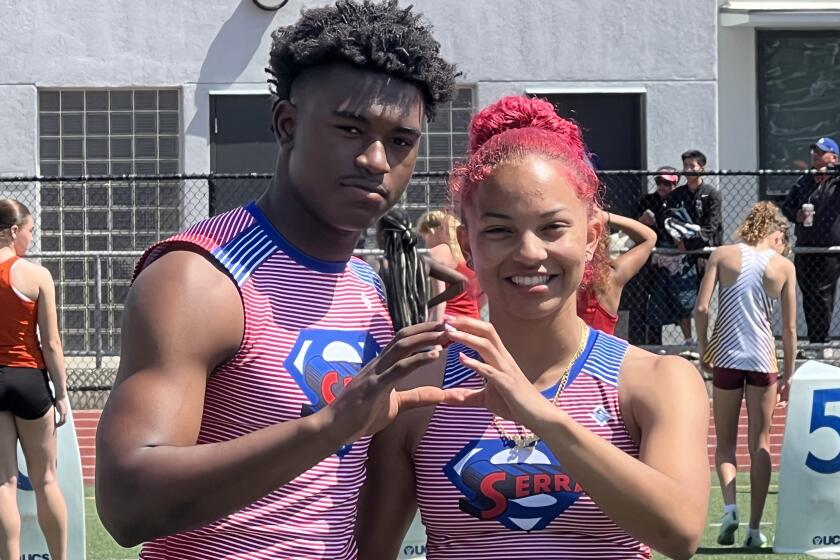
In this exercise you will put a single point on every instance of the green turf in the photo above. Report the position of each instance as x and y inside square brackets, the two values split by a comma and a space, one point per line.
[101, 546]
[709, 547]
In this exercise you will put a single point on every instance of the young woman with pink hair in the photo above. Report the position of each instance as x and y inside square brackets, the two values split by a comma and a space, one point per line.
[555, 440]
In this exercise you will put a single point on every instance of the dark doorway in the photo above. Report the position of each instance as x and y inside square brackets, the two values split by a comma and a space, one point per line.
[613, 130]
[241, 141]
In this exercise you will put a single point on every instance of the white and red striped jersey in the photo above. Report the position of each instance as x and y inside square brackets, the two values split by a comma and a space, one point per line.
[310, 325]
[743, 334]
[480, 497]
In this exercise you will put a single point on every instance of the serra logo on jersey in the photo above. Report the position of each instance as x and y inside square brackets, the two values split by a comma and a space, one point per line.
[322, 362]
[523, 489]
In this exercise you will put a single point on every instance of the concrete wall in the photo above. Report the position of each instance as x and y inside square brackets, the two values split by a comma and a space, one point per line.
[503, 46]
[191, 44]
[738, 106]
[506, 46]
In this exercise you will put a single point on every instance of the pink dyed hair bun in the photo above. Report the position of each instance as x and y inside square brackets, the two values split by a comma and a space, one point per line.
[515, 127]
[514, 112]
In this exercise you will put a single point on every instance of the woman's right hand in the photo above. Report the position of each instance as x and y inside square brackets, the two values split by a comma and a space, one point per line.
[62, 405]
[507, 393]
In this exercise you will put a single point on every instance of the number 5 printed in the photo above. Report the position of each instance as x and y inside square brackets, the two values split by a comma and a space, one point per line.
[819, 419]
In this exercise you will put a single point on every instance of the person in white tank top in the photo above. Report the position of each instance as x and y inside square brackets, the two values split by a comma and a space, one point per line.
[741, 353]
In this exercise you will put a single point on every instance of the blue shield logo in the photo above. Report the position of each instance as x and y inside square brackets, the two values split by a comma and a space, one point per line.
[523, 489]
[323, 362]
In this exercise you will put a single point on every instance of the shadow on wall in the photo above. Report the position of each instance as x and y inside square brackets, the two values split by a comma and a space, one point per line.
[229, 55]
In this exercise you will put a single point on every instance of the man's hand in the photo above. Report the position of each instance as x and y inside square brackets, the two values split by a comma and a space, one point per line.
[370, 402]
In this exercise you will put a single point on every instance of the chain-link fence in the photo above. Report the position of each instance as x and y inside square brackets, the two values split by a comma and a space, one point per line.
[91, 230]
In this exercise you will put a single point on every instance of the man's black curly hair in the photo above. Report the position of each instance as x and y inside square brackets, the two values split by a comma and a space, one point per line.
[379, 36]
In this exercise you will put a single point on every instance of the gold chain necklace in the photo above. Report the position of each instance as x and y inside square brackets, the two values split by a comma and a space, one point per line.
[525, 439]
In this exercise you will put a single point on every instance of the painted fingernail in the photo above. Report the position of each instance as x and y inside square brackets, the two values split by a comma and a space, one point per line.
[449, 328]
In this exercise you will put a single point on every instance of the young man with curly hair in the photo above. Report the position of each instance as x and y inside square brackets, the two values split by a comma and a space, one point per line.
[233, 429]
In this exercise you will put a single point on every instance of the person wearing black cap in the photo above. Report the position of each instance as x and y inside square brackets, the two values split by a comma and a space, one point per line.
[813, 204]
[653, 205]
[651, 212]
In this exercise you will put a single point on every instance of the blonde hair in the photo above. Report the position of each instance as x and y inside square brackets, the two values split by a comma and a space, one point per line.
[764, 219]
[438, 219]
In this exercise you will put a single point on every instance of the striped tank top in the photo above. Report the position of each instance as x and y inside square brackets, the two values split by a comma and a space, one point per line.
[482, 498]
[743, 335]
[309, 327]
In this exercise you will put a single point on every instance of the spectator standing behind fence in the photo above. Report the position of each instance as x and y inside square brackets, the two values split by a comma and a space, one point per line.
[813, 204]
[651, 212]
[439, 232]
[597, 302]
[742, 352]
[702, 202]
[673, 290]
[27, 408]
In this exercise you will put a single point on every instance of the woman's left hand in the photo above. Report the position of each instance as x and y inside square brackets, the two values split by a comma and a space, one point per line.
[508, 394]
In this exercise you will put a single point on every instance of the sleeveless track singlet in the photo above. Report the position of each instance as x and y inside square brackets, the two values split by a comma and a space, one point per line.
[309, 327]
[19, 346]
[593, 314]
[743, 334]
[481, 498]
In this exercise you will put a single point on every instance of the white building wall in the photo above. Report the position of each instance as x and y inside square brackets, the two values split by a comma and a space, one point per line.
[502, 46]
[507, 46]
[738, 98]
[738, 132]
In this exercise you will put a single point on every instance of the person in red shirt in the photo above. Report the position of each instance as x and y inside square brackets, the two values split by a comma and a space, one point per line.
[437, 228]
[598, 300]
[27, 407]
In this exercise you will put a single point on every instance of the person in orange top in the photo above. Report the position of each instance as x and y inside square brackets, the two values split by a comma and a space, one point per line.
[28, 411]
[437, 228]
[598, 300]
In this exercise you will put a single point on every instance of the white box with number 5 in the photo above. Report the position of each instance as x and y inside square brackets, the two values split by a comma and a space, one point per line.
[808, 518]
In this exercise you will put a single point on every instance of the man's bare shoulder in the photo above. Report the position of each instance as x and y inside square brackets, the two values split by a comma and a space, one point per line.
[182, 268]
[182, 294]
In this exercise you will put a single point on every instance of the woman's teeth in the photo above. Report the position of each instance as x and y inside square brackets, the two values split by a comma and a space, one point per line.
[529, 280]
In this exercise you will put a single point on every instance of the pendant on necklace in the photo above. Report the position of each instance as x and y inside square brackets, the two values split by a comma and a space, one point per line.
[524, 442]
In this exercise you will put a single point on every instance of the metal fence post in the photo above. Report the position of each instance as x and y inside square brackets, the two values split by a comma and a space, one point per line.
[97, 313]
